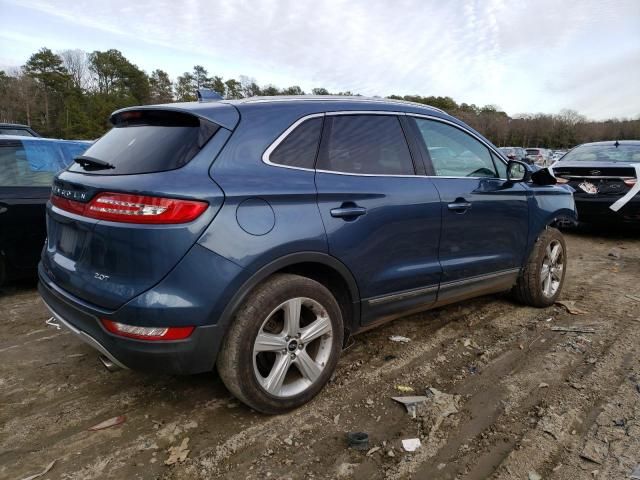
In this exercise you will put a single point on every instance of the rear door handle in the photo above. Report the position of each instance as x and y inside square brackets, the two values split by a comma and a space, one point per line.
[348, 212]
[459, 207]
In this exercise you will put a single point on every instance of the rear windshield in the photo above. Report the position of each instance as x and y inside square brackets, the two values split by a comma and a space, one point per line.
[147, 141]
[604, 153]
[532, 151]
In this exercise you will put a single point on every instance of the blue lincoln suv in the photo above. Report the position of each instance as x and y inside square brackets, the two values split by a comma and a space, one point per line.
[254, 236]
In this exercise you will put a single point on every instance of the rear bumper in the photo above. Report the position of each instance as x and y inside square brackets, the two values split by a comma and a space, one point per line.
[195, 354]
[595, 208]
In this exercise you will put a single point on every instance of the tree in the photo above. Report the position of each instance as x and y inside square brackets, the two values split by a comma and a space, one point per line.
[320, 91]
[46, 68]
[217, 85]
[234, 88]
[200, 77]
[295, 90]
[185, 91]
[270, 90]
[161, 89]
[77, 64]
[115, 75]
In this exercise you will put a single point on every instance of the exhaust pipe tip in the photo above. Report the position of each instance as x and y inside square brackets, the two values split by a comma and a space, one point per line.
[108, 364]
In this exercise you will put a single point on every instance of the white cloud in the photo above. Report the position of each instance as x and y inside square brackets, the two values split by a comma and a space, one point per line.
[531, 56]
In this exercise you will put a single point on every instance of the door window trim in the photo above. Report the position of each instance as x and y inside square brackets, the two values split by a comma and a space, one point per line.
[294, 125]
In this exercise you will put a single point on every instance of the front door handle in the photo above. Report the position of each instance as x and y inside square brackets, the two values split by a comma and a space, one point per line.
[459, 207]
[348, 212]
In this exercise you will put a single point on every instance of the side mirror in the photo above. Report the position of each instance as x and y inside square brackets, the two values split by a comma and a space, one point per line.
[517, 171]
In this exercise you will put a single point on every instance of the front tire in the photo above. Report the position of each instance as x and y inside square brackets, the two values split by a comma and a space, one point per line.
[542, 278]
[283, 345]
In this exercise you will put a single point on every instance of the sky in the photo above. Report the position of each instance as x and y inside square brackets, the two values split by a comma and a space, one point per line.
[523, 56]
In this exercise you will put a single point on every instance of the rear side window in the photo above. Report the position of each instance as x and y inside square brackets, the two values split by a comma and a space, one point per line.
[300, 147]
[33, 163]
[148, 141]
[365, 144]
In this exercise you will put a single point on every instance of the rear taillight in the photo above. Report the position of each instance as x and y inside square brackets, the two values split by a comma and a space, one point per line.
[120, 207]
[630, 182]
[147, 333]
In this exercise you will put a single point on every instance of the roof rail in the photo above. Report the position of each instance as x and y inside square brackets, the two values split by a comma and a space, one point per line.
[207, 95]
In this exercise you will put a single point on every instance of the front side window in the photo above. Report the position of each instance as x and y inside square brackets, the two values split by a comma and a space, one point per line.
[365, 144]
[453, 152]
[34, 163]
[300, 147]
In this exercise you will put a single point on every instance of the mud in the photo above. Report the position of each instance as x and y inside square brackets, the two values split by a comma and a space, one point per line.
[530, 401]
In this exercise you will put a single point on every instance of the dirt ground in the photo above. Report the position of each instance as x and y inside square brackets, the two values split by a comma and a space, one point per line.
[518, 400]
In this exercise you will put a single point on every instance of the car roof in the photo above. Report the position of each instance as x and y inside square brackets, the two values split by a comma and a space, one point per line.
[40, 139]
[611, 142]
[14, 125]
[225, 112]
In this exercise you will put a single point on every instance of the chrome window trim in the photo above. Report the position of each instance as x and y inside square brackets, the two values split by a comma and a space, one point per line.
[276, 143]
[294, 125]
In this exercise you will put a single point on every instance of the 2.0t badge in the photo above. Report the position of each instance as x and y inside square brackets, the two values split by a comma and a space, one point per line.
[589, 187]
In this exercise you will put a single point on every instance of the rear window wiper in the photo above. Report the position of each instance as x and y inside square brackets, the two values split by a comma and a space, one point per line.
[91, 163]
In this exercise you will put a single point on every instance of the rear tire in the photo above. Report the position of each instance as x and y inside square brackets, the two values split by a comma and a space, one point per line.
[283, 344]
[542, 278]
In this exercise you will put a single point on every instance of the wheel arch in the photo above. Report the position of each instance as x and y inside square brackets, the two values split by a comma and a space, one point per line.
[318, 266]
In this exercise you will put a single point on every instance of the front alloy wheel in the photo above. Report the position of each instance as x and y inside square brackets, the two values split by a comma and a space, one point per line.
[542, 277]
[552, 270]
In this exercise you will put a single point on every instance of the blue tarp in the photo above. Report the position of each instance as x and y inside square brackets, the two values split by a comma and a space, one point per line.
[51, 155]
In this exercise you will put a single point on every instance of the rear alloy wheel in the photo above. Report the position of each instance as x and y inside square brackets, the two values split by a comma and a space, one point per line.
[541, 280]
[283, 344]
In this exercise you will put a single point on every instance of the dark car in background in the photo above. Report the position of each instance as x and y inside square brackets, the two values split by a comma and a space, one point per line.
[18, 130]
[27, 168]
[605, 178]
[515, 153]
[256, 235]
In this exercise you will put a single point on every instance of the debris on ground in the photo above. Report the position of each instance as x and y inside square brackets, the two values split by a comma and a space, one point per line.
[570, 305]
[44, 472]
[358, 440]
[52, 323]
[595, 451]
[575, 329]
[411, 403]
[615, 253]
[372, 451]
[533, 475]
[633, 297]
[404, 388]
[543, 385]
[553, 425]
[635, 474]
[112, 422]
[178, 454]
[399, 338]
[436, 409]
[411, 444]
